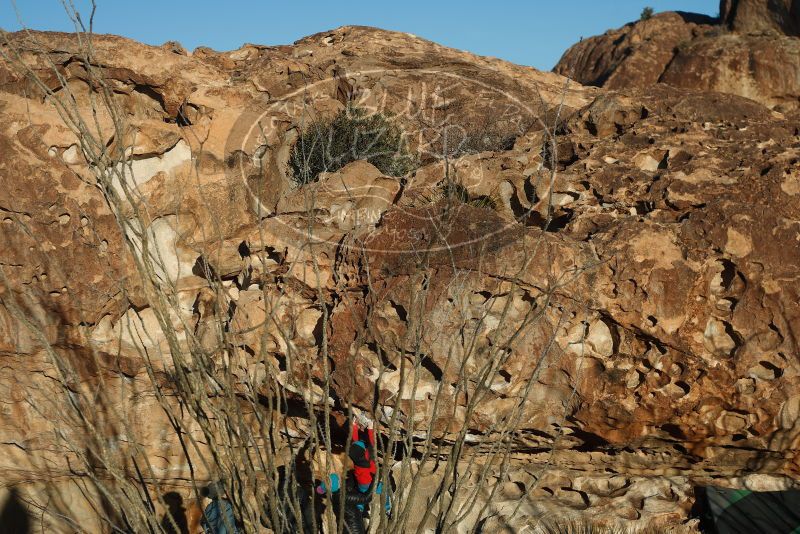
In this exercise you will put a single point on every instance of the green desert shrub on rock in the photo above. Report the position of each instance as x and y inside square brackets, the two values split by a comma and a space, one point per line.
[456, 192]
[353, 134]
[485, 138]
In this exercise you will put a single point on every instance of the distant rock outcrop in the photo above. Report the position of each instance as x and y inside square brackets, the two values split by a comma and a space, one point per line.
[751, 51]
[752, 16]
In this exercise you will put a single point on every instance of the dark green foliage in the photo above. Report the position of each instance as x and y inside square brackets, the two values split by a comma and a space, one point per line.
[483, 201]
[481, 140]
[354, 134]
[479, 135]
[454, 191]
[647, 13]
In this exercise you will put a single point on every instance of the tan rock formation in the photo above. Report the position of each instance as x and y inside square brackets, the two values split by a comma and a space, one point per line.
[752, 51]
[752, 16]
[638, 308]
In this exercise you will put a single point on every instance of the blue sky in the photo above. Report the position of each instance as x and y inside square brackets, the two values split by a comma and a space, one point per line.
[533, 32]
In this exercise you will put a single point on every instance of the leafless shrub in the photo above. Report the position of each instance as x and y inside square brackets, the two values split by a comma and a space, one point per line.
[255, 417]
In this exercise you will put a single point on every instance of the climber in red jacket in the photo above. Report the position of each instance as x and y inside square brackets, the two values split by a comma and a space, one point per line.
[362, 452]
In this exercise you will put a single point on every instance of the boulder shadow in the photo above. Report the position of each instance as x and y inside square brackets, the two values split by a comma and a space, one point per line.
[14, 516]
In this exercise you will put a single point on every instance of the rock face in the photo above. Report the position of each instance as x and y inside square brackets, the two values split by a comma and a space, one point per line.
[755, 16]
[644, 294]
[751, 51]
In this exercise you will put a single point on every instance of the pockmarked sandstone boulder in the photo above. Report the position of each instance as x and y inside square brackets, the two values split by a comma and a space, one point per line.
[751, 50]
[750, 16]
[631, 284]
